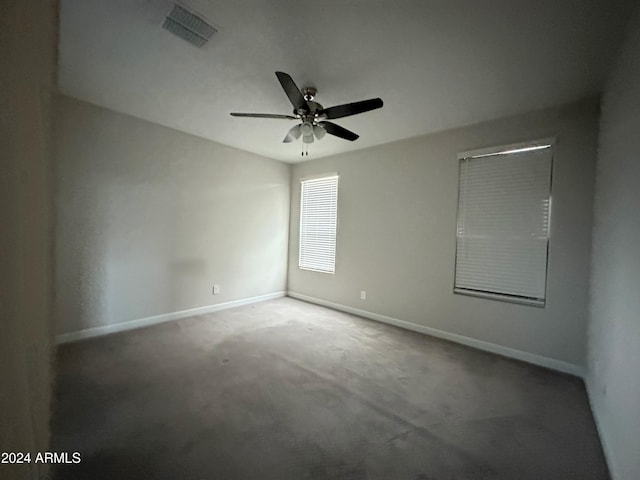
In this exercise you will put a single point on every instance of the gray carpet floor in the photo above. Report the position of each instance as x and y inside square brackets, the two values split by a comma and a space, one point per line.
[288, 390]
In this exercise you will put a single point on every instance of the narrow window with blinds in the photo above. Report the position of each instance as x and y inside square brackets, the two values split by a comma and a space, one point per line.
[318, 222]
[502, 238]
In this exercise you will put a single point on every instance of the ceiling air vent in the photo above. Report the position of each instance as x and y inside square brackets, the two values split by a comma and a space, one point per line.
[189, 27]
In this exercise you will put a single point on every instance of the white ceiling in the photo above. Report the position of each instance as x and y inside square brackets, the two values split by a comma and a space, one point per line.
[436, 64]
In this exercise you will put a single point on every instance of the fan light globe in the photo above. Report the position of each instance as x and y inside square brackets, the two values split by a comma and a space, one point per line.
[306, 129]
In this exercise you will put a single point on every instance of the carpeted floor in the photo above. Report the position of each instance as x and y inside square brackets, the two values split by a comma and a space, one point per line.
[289, 390]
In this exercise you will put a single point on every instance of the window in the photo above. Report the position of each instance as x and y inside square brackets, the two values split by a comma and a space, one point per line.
[502, 237]
[318, 221]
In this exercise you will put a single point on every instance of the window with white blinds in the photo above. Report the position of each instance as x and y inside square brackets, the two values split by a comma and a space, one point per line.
[318, 222]
[503, 224]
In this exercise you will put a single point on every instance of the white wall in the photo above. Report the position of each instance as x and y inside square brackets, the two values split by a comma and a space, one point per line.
[149, 218]
[396, 235]
[27, 66]
[614, 333]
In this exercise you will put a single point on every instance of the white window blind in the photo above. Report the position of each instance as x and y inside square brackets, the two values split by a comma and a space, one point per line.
[318, 222]
[503, 224]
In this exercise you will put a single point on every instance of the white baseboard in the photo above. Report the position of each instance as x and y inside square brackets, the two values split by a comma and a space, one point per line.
[165, 317]
[539, 360]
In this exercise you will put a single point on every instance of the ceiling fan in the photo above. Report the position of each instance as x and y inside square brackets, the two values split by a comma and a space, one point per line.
[313, 116]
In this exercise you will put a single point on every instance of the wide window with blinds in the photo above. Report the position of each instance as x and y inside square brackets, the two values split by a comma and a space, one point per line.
[318, 223]
[504, 209]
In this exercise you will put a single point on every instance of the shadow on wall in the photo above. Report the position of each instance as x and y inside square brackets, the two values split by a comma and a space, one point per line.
[149, 218]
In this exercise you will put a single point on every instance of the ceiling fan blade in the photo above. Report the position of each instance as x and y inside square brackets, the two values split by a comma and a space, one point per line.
[263, 115]
[293, 92]
[307, 138]
[293, 134]
[319, 132]
[354, 108]
[339, 131]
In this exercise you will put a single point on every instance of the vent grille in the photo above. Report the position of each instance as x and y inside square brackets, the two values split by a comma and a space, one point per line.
[188, 26]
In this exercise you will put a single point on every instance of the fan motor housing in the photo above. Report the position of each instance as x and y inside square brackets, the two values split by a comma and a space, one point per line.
[312, 114]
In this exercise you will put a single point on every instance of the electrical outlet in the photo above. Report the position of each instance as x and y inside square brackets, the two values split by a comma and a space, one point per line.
[216, 289]
[363, 294]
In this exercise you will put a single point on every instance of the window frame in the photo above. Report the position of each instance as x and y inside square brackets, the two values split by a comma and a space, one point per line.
[549, 142]
[325, 176]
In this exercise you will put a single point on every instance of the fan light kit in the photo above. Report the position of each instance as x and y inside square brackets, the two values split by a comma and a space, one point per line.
[313, 116]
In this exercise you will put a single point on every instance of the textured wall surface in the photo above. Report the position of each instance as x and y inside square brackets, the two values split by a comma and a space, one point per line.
[614, 334]
[149, 218]
[27, 73]
[397, 209]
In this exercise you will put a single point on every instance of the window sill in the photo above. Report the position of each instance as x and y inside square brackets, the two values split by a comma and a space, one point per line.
[533, 302]
[315, 270]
